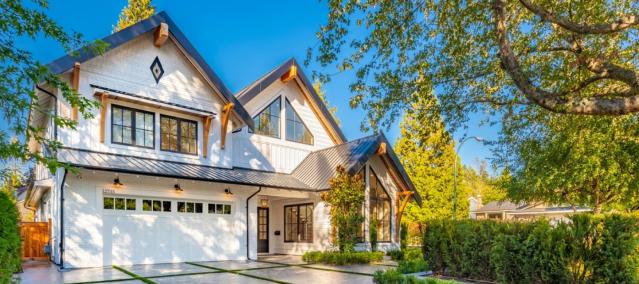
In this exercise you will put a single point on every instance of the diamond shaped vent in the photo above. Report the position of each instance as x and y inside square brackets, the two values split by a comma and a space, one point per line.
[157, 70]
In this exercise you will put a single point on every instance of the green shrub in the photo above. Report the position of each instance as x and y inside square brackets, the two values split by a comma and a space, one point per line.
[395, 254]
[392, 276]
[372, 231]
[342, 258]
[10, 243]
[413, 254]
[412, 266]
[403, 236]
[588, 249]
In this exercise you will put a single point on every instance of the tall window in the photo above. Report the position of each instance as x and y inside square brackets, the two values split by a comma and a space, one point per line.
[267, 122]
[296, 131]
[178, 135]
[132, 127]
[380, 208]
[298, 223]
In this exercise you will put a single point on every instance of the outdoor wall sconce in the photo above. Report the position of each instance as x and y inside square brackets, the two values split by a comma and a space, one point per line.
[177, 187]
[264, 202]
[117, 183]
[228, 192]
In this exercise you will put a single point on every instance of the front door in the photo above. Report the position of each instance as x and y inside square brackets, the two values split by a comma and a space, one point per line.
[262, 230]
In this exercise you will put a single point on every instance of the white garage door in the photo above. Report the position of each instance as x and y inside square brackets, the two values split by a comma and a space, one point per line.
[150, 230]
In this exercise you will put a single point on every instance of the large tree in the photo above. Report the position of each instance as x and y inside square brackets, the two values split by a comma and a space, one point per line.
[573, 159]
[20, 72]
[135, 11]
[488, 56]
[427, 152]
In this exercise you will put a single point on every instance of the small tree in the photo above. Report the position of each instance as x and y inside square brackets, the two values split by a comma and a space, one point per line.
[345, 199]
[10, 244]
[372, 232]
[135, 11]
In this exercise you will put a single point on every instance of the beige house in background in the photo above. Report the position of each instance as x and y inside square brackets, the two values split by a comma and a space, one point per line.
[507, 210]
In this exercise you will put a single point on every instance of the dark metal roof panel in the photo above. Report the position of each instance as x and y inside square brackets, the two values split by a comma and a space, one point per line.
[119, 38]
[249, 92]
[140, 165]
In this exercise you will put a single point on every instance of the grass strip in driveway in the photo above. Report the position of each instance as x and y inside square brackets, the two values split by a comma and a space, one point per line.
[238, 272]
[318, 268]
[138, 277]
[101, 281]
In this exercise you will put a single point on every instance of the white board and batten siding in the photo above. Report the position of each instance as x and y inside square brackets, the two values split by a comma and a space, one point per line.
[261, 152]
[127, 68]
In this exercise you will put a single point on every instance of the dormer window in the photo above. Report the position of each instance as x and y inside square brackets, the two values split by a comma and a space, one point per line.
[132, 127]
[267, 122]
[296, 130]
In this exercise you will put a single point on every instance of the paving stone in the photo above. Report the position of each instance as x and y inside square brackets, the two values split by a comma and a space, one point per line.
[149, 270]
[296, 274]
[226, 278]
[235, 264]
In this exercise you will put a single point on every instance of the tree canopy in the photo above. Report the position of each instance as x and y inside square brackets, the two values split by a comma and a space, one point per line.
[497, 56]
[573, 159]
[135, 11]
[317, 85]
[20, 72]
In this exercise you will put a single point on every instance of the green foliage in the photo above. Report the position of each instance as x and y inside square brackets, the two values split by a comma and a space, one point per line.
[481, 183]
[372, 234]
[403, 236]
[20, 73]
[345, 198]
[135, 11]
[401, 50]
[317, 85]
[342, 258]
[10, 243]
[427, 152]
[395, 254]
[413, 254]
[392, 276]
[573, 160]
[589, 249]
[412, 266]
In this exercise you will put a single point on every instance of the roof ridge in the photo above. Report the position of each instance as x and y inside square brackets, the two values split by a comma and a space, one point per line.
[248, 87]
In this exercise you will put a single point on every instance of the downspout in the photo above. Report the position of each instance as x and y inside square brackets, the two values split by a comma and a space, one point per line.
[247, 221]
[64, 178]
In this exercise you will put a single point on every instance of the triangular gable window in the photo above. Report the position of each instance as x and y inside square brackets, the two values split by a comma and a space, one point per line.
[267, 122]
[296, 130]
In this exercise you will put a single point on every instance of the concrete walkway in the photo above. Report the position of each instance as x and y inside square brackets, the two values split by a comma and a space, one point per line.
[267, 269]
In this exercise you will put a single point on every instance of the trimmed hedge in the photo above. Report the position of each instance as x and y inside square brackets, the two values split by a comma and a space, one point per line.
[588, 249]
[342, 258]
[10, 244]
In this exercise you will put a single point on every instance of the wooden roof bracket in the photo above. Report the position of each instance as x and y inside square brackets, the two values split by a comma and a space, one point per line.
[290, 74]
[75, 82]
[103, 112]
[400, 208]
[381, 150]
[206, 122]
[226, 115]
[161, 34]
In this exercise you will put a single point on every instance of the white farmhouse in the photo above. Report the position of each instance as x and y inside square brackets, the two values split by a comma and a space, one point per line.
[173, 167]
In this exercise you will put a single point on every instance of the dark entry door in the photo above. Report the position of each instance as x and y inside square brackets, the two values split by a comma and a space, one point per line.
[262, 229]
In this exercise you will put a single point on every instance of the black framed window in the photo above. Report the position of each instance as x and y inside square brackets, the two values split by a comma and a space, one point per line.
[118, 203]
[296, 130]
[156, 205]
[132, 127]
[298, 223]
[267, 122]
[219, 208]
[380, 207]
[178, 135]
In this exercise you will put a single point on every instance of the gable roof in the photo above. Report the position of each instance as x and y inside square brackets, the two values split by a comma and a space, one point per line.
[121, 37]
[319, 167]
[249, 92]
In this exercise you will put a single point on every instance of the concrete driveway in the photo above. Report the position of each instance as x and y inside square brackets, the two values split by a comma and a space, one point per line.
[267, 269]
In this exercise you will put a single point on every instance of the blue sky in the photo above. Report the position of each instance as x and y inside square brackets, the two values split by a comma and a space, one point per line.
[242, 41]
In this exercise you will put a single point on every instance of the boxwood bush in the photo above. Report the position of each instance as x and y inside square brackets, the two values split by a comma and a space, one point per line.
[587, 249]
[342, 258]
[10, 244]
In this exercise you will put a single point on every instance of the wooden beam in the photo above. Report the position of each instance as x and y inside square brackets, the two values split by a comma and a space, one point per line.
[103, 114]
[75, 82]
[400, 210]
[226, 115]
[161, 34]
[290, 74]
[382, 149]
[206, 121]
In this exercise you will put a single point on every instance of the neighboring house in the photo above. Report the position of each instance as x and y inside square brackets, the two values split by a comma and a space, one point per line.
[173, 167]
[507, 210]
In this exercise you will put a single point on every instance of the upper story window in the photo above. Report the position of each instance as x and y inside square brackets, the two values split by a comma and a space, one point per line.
[132, 127]
[178, 135]
[267, 122]
[296, 130]
[380, 207]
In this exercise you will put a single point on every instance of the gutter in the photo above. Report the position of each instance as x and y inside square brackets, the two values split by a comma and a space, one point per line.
[64, 178]
[247, 221]
[55, 110]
